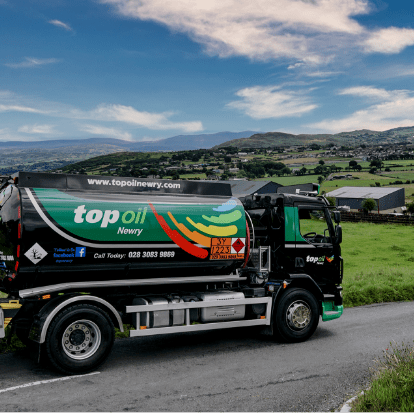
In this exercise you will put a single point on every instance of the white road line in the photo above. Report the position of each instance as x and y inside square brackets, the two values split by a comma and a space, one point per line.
[31, 384]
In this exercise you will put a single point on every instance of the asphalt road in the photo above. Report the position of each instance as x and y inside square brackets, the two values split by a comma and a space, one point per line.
[232, 370]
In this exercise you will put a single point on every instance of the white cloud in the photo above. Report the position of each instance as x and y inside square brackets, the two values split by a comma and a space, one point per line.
[322, 74]
[37, 129]
[263, 29]
[107, 132]
[390, 40]
[296, 65]
[10, 102]
[130, 115]
[392, 109]
[59, 23]
[369, 92]
[20, 108]
[31, 62]
[262, 102]
[311, 31]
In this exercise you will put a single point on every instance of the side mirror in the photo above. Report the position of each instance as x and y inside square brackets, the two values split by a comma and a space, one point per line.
[337, 216]
[338, 234]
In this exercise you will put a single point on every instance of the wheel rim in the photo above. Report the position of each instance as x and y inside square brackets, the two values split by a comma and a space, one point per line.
[298, 315]
[81, 339]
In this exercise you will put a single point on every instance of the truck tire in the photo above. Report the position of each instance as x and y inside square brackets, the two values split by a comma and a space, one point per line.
[296, 316]
[79, 339]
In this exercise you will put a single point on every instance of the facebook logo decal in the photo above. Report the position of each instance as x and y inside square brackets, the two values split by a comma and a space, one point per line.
[80, 252]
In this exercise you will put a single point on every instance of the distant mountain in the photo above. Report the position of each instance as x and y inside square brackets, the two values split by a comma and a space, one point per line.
[364, 136]
[177, 143]
[190, 142]
[63, 143]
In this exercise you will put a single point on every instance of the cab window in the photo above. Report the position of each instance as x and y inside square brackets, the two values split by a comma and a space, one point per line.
[314, 225]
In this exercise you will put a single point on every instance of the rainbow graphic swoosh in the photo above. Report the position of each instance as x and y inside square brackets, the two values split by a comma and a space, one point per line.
[222, 227]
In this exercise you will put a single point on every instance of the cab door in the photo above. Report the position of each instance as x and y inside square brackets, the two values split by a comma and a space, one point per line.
[315, 252]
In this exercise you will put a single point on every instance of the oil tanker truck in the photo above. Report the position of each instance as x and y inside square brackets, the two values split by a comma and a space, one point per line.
[82, 255]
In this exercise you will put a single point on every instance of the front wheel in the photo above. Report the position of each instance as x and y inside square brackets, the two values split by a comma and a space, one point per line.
[297, 315]
[79, 339]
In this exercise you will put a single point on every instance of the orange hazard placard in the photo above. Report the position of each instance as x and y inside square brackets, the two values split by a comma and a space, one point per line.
[227, 248]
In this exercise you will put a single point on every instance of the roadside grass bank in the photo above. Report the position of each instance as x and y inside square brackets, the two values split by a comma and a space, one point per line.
[392, 384]
[378, 267]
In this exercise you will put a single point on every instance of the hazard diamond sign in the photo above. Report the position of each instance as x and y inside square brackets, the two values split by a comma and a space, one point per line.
[237, 245]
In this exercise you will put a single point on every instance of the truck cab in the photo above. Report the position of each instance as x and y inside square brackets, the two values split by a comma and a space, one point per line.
[294, 235]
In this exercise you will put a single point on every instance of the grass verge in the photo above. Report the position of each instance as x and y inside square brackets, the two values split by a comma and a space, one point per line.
[378, 263]
[393, 383]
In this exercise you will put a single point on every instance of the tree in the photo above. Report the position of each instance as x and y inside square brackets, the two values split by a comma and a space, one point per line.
[321, 179]
[286, 170]
[373, 170]
[353, 164]
[321, 162]
[376, 163]
[369, 204]
[410, 207]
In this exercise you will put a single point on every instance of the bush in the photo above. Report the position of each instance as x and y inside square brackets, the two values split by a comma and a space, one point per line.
[410, 207]
[332, 201]
[369, 204]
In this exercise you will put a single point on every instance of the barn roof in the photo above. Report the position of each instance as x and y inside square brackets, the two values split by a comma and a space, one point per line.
[362, 192]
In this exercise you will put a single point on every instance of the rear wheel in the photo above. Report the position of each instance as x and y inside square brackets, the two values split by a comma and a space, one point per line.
[297, 315]
[79, 339]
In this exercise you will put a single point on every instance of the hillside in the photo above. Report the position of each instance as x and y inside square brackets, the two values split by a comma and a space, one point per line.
[55, 154]
[352, 138]
[177, 143]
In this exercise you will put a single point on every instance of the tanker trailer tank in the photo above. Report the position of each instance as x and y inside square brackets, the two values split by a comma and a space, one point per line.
[79, 231]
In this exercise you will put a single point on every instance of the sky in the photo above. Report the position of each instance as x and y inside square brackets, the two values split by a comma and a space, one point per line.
[143, 70]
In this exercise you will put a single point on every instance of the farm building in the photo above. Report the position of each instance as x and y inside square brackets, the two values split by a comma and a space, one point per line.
[241, 188]
[386, 197]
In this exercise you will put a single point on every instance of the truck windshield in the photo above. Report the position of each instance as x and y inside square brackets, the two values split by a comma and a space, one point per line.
[314, 225]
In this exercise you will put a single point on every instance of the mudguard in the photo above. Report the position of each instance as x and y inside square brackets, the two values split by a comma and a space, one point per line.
[43, 319]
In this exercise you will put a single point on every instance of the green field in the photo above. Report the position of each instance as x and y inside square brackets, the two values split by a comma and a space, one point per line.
[378, 263]
[300, 179]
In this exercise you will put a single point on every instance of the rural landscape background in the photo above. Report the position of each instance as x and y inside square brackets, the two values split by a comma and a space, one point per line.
[289, 91]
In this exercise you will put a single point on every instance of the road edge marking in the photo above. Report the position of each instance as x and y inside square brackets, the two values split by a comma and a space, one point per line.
[32, 384]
